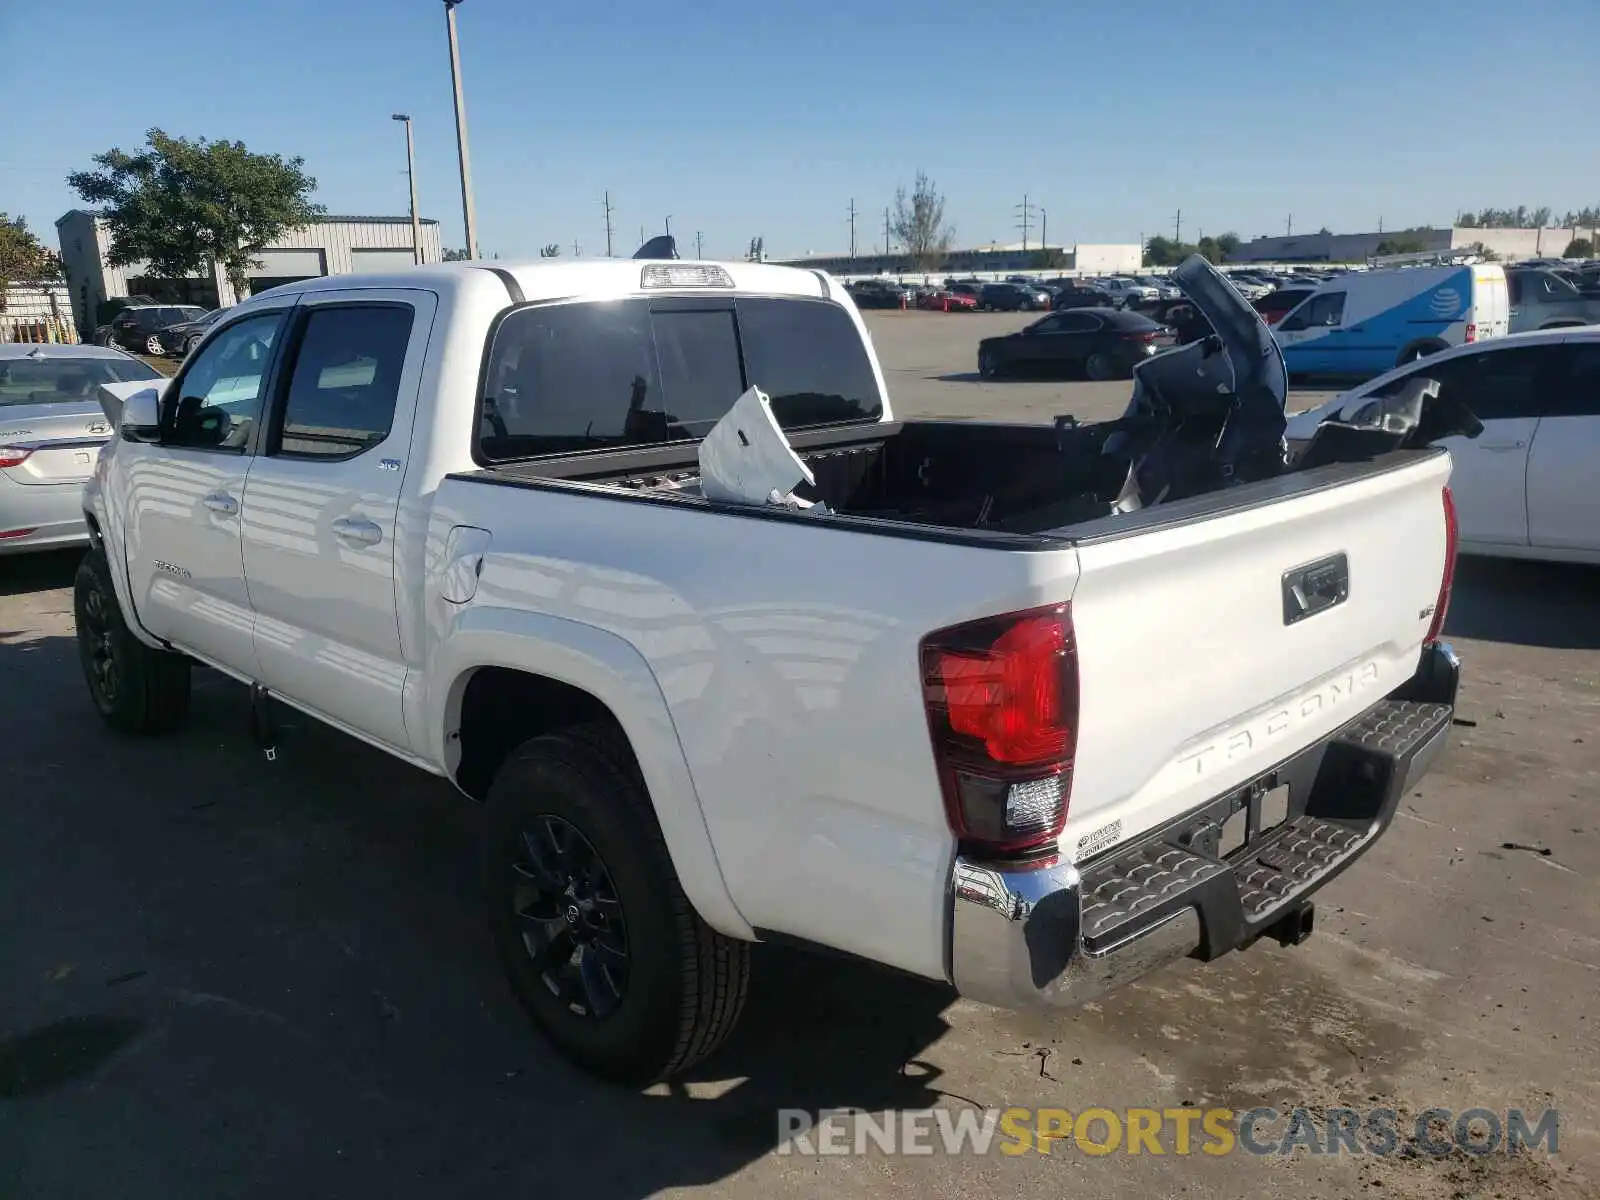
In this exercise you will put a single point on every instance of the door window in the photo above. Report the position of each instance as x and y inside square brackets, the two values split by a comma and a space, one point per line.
[1077, 323]
[1497, 385]
[1578, 393]
[345, 381]
[220, 391]
[1318, 312]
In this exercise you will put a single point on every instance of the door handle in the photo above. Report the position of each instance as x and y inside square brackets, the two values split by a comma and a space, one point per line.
[357, 530]
[221, 502]
[1502, 447]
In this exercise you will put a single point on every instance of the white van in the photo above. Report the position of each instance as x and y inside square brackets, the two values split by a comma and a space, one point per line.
[1364, 324]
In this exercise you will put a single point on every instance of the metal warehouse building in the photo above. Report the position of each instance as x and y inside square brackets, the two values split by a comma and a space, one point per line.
[327, 246]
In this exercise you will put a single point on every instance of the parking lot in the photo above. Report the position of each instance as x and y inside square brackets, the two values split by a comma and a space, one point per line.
[223, 976]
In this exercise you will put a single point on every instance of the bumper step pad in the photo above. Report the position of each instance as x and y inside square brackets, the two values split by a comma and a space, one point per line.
[1136, 888]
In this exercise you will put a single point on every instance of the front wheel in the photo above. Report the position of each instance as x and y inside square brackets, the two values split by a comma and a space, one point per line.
[153, 346]
[597, 938]
[1100, 367]
[987, 366]
[135, 688]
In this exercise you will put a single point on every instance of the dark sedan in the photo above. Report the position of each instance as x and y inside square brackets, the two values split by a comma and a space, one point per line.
[1012, 297]
[177, 340]
[878, 293]
[1076, 295]
[1104, 343]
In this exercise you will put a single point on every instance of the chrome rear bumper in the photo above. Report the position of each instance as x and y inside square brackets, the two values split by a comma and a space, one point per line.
[1058, 934]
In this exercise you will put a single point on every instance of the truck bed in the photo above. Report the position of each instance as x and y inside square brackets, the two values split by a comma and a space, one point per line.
[1006, 485]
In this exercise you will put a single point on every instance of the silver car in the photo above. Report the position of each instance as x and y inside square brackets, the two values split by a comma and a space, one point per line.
[51, 431]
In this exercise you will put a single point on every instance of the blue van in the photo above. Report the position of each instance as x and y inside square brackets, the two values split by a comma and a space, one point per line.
[1366, 322]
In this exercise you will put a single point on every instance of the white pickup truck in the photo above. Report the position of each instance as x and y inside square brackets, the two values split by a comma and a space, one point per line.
[1027, 709]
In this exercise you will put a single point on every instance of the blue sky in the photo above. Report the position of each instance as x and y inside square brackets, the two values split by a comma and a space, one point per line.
[765, 118]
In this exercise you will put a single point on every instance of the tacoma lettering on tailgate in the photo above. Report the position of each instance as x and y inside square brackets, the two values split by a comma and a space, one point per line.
[1246, 739]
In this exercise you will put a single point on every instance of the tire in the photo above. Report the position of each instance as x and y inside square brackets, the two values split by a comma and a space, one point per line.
[987, 366]
[1099, 367]
[189, 343]
[561, 804]
[136, 689]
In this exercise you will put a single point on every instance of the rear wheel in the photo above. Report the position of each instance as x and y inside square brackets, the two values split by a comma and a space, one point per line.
[597, 938]
[1100, 367]
[135, 688]
[152, 345]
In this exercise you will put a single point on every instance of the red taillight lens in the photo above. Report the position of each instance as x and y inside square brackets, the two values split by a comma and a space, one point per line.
[1472, 333]
[1452, 539]
[1002, 702]
[13, 456]
[1148, 336]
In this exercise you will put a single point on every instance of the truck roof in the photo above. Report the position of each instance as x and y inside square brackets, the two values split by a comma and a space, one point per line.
[550, 278]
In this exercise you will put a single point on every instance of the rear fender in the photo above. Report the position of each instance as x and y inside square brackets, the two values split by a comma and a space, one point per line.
[612, 671]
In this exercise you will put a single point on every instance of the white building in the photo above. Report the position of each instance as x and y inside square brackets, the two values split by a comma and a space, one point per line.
[327, 246]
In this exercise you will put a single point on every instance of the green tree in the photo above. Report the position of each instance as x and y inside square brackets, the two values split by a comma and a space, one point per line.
[461, 255]
[1401, 245]
[1228, 242]
[1579, 248]
[1049, 258]
[188, 205]
[918, 223]
[550, 251]
[23, 258]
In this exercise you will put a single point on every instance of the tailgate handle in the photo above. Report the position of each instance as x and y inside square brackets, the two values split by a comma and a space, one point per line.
[1315, 587]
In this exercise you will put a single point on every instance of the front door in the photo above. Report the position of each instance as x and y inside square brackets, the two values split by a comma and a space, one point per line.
[1564, 463]
[319, 531]
[1310, 335]
[185, 496]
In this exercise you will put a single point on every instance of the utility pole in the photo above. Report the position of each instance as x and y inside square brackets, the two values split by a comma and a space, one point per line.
[411, 174]
[1288, 228]
[577, 250]
[1141, 247]
[1044, 231]
[641, 235]
[1026, 210]
[469, 217]
[697, 251]
[1380, 224]
[1177, 227]
[669, 224]
[606, 205]
[852, 226]
[886, 233]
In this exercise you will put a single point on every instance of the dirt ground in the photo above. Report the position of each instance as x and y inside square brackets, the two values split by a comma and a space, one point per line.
[225, 977]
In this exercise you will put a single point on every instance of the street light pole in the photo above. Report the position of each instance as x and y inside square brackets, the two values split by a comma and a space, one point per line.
[1044, 234]
[411, 176]
[469, 217]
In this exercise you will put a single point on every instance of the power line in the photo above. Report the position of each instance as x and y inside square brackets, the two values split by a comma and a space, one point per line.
[606, 203]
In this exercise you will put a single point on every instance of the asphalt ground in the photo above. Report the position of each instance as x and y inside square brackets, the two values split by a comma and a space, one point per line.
[225, 977]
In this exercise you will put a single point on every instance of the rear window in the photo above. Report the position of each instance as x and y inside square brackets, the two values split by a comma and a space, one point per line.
[569, 377]
[57, 381]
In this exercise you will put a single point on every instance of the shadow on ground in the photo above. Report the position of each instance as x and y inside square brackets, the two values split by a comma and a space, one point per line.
[1552, 605]
[242, 977]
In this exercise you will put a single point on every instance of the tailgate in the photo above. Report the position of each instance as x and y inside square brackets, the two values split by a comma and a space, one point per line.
[1197, 672]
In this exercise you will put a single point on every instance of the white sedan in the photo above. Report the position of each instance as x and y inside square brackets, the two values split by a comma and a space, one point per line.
[1526, 487]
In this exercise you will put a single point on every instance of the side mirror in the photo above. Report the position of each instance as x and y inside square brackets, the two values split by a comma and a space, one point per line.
[141, 417]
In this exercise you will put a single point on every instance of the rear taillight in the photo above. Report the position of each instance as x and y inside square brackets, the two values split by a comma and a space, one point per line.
[1002, 702]
[1149, 336]
[13, 456]
[1472, 333]
[1452, 539]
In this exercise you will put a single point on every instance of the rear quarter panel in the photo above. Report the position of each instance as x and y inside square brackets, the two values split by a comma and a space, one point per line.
[786, 651]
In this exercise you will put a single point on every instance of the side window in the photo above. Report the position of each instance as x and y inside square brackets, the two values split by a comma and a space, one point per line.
[1578, 393]
[1326, 309]
[1050, 325]
[1496, 385]
[345, 381]
[1078, 323]
[219, 393]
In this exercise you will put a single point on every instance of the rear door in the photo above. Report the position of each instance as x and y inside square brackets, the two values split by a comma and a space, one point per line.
[1564, 461]
[319, 522]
